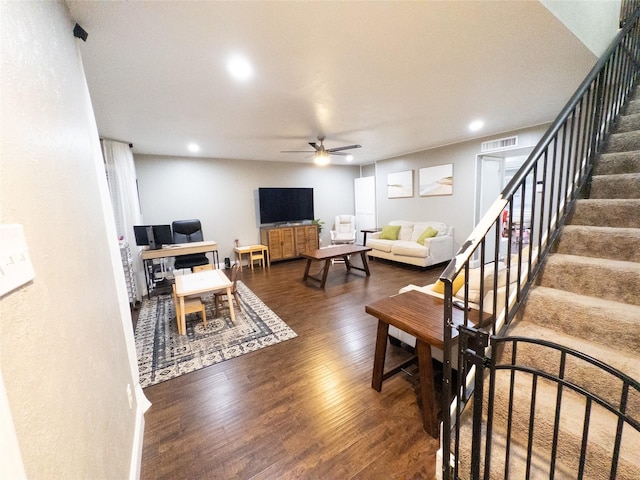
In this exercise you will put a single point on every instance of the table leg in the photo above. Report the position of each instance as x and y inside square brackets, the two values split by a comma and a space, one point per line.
[231, 311]
[365, 264]
[427, 389]
[182, 324]
[306, 270]
[266, 252]
[327, 264]
[378, 359]
[239, 259]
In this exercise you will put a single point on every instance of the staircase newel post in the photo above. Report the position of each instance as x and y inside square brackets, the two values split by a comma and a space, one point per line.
[447, 472]
[475, 343]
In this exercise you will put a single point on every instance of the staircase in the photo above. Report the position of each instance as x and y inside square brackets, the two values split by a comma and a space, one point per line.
[587, 298]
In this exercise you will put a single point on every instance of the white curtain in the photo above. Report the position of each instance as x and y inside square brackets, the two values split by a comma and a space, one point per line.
[123, 188]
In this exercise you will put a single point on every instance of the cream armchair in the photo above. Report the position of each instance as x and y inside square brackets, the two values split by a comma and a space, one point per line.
[344, 230]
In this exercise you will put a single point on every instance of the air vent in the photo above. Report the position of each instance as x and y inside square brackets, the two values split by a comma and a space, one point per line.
[499, 144]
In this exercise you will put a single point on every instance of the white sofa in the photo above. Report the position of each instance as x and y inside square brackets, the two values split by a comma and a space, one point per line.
[406, 249]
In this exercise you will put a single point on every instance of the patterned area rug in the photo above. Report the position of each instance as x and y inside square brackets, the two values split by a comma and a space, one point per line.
[163, 354]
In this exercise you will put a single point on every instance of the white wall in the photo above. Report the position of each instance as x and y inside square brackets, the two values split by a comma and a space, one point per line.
[594, 22]
[66, 341]
[223, 193]
[456, 209]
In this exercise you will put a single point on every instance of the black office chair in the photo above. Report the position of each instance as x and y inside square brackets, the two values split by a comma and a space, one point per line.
[186, 231]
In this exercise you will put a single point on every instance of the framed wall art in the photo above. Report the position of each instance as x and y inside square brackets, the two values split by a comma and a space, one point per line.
[436, 180]
[400, 184]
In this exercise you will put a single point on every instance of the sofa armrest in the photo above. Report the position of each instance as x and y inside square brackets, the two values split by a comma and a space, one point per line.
[375, 235]
[440, 248]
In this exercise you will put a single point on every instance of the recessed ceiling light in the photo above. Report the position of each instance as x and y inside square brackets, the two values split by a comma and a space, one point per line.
[240, 68]
[193, 148]
[476, 125]
[349, 158]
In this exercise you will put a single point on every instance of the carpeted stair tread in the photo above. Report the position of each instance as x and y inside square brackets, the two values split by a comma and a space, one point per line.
[602, 427]
[601, 434]
[601, 242]
[623, 142]
[581, 373]
[633, 106]
[609, 279]
[628, 123]
[607, 212]
[614, 163]
[596, 320]
[517, 455]
[625, 185]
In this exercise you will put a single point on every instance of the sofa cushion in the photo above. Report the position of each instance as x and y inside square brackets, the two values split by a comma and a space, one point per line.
[419, 227]
[382, 245]
[457, 284]
[389, 232]
[406, 229]
[409, 249]
[429, 232]
[474, 277]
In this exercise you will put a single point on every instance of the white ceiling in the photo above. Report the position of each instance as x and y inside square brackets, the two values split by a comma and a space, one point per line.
[395, 77]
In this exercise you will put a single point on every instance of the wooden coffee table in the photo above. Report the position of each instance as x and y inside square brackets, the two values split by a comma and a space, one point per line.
[329, 253]
[421, 315]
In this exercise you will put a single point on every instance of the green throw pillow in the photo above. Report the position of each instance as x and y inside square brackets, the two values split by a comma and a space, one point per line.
[428, 233]
[390, 232]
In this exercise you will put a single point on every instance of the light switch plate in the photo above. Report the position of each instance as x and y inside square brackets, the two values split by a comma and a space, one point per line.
[15, 264]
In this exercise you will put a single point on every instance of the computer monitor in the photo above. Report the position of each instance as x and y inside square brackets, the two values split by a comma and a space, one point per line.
[153, 235]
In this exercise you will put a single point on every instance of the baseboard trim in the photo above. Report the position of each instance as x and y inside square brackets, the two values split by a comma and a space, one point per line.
[143, 405]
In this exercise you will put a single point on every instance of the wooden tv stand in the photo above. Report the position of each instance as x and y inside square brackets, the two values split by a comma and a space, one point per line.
[289, 241]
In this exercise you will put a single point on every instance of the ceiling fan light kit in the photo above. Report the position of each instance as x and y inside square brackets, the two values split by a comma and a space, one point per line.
[321, 158]
[322, 155]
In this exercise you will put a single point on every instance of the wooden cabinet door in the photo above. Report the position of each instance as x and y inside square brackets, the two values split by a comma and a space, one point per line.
[306, 239]
[288, 243]
[280, 242]
[274, 244]
[312, 237]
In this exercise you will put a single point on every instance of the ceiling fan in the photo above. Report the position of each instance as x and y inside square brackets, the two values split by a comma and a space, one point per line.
[321, 154]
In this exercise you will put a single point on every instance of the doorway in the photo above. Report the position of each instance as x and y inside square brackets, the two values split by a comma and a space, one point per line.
[493, 172]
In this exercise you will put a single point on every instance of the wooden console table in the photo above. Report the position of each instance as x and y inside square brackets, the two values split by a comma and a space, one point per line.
[421, 315]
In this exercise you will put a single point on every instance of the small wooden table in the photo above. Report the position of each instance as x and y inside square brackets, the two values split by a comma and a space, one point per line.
[421, 315]
[368, 230]
[246, 250]
[335, 251]
[201, 282]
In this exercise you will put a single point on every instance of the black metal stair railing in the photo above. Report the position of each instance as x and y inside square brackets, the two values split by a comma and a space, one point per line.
[520, 227]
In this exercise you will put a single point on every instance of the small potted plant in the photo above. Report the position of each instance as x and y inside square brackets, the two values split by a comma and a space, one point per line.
[319, 223]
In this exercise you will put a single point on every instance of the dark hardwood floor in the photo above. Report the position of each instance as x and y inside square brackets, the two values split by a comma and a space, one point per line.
[303, 408]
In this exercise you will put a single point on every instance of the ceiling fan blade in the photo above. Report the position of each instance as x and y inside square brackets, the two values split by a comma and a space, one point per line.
[339, 149]
[316, 146]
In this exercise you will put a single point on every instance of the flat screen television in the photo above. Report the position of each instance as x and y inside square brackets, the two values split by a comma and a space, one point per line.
[153, 235]
[284, 205]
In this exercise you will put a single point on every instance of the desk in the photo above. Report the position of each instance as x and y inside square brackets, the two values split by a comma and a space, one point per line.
[174, 250]
[335, 251]
[421, 315]
[368, 230]
[201, 282]
[239, 251]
